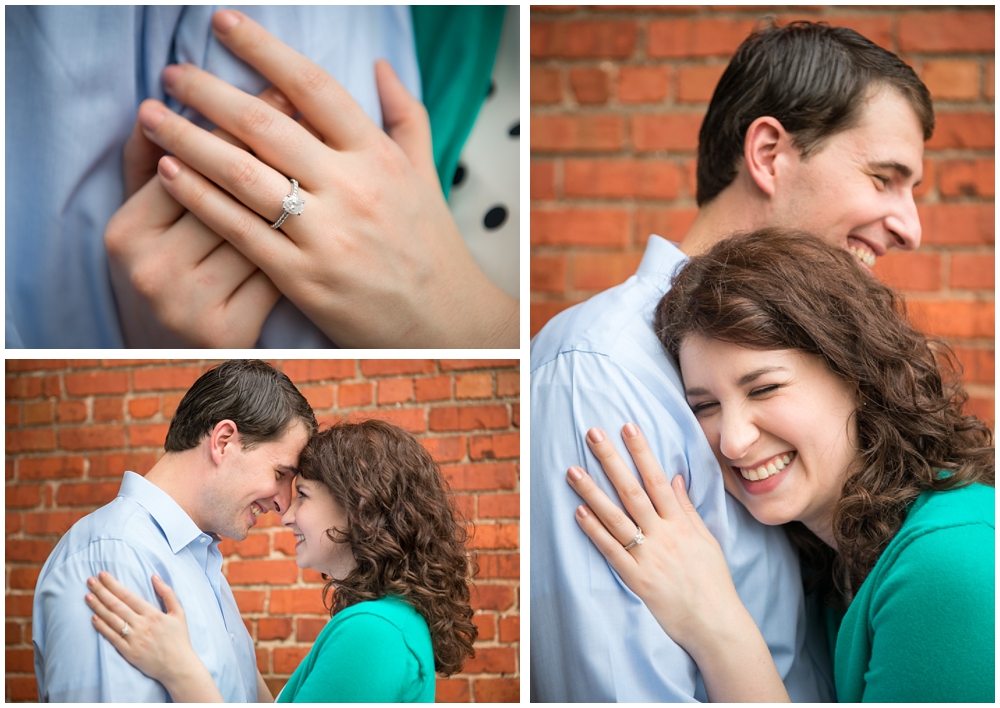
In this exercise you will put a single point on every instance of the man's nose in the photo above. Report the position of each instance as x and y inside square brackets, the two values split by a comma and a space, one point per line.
[904, 224]
[737, 434]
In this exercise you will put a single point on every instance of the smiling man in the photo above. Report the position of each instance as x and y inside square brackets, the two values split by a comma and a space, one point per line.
[231, 452]
[812, 128]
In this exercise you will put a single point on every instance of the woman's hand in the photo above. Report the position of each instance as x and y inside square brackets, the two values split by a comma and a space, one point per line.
[676, 567]
[156, 643]
[375, 259]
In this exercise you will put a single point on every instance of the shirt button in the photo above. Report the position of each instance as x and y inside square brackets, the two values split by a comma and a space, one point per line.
[232, 636]
[203, 539]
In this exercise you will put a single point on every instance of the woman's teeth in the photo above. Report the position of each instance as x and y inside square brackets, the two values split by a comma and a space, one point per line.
[863, 255]
[300, 537]
[769, 470]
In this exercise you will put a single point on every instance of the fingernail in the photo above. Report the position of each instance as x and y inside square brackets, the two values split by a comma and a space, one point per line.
[630, 430]
[581, 511]
[595, 435]
[151, 115]
[169, 76]
[225, 20]
[168, 167]
[575, 474]
[102, 575]
[90, 582]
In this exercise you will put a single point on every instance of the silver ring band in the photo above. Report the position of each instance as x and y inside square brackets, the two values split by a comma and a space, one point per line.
[291, 204]
[638, 540]
[126, 629]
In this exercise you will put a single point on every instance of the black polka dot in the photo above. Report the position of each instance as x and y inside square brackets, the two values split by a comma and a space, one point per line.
[495, 217]
[459, 175]
[515, 130]
[491, 89]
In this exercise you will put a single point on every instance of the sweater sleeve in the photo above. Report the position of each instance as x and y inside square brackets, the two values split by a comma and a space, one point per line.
[363, 659]
[932, 620]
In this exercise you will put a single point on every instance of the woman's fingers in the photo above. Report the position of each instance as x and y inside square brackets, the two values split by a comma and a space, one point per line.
[121, 593]
[116, 639]
[656, 482]
[609, 546]
[320, 98]
[632, 494]
[617, 522]
[170, 601]
[406, 122]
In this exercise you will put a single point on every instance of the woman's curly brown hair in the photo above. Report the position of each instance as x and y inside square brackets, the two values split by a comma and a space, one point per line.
[407, 537]
[776, 289]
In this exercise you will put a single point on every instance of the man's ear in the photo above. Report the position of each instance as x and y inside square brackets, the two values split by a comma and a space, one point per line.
[766, 143]
[224, 440]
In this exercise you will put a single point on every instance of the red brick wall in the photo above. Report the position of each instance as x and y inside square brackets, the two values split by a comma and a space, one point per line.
[617, 97]
[74, 427]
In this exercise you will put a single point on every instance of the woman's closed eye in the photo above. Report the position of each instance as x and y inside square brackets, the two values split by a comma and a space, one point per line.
[764, 390]
[703, 407]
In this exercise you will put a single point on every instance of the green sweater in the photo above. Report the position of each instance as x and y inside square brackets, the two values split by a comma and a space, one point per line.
[378, 651]
[921, 628]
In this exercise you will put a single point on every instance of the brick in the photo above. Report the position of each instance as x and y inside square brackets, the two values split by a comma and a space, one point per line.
[274, 628]
[41, 413]
[396, 367]
[284, 542]
[12, 411]
[546, 86]
[27, 551]
[23, 496]
[109, 409]
[319, 397]
[495, 536]
[465, 505]
[643, 84]
[355, 394]
[983, 408]
[24, 387]
[499, 565]
[24, 578]
[92, 437]
[51, 522]
[972, 129]
[955, 318]
[966, 178]
[696, 84]
[486, 477]
[308, 628]
[473, 364]
[683, 38]
[319, 369]
[13, 633]
[675, 132]
[255, 545]
[71, 411]
[601, 271]
[492, 660]
[453, 690]
[951, 79]
[957, 224]
[116, 464]
[918, 271]
[926, 185]
[395, 391]
[432, 388]
[495, 506]
[413, 420]
[170, 403]
[68, 467]
[591, 86]
[261, 572]
[470, 417]
[144, 407]
[34, 364]
[19, 661]
[22, 688]
[486, 624]
[577, 133]
[312, 576]
[510, 628]
[508, 383]
[543, 180]
[249, 600]
[609, 39]
[287, 659]
[148, 435]
[496, 690]
[495, 447]
[87, 494]
[468, 386]
[13, 523]
[972, 271]
[17, 605]
[165, 379]
[290, 602]
[989, 86]
[51, 386]
[622, 178]
[580, 227]
[978, 365]
[958, 32]
[30, 440]
[445, 449]
[542, 312]
[96, 382]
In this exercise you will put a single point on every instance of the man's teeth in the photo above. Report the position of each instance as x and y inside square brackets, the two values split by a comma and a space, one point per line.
[863, 255]
[769, 470]
[256, 510]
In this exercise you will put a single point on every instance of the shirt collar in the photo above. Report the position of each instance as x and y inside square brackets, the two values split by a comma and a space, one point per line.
[177, 526]
[661, 257]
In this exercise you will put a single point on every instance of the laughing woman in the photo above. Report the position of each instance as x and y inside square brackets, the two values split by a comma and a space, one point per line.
[830, 414]
[371, 513]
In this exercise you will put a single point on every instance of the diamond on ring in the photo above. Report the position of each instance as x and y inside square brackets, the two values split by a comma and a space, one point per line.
[638, 540]
[126, 629]
[291, 204]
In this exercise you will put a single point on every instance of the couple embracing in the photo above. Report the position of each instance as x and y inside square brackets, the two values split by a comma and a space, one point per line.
[815, 518]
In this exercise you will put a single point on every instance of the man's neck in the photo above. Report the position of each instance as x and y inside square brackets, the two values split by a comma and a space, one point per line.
[735, 209]
[177, 474]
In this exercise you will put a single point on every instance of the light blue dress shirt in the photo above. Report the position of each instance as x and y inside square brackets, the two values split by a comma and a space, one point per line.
[592, 639]
[74, 80]
[143, 531]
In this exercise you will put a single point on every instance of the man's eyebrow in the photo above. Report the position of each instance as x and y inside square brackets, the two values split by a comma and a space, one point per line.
[899, 167]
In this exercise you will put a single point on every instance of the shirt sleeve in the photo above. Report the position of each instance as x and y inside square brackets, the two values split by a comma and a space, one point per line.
[364, 658]
[75, 663]
[933, 620]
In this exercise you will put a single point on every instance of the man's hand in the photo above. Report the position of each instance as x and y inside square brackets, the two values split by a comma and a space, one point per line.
[176, 282]
[376, 259]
